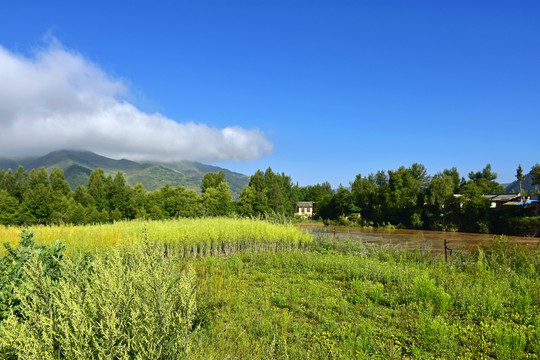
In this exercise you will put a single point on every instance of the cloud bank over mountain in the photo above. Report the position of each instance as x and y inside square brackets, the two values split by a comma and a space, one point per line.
[57, 99]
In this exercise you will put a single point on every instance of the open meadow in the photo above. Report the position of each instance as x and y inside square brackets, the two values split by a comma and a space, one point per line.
[236, 289]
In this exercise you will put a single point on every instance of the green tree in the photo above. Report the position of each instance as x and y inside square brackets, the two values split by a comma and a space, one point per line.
[156, 213]
[116, 215]
[37, 205]
[187, 202]
[96, 189]
[519, 177]
[81, 196]
[210, 202]
[168, 201]
[120, 197]
[486, 174]
[39, 176]
[535, 173]
[419, 172]
[440, 201]
[441, 191]
[268, 192]
[58, 183]
[248, 197]
[339, 205]
[8, 182]
[454, 174]
[61, 197]
[177, 202]
[94, 216]
[21, 183]
[217, 201]
[154, 205]
[280, 192]
[316, 192]
[212, 180]
[254, 196]
[475, 215]
[381, 179]
[9, 208]
[77, 214]
[60, 205]
[364, 191]
[139, 201]
[401, 197]
[109, 190]
[485, 179]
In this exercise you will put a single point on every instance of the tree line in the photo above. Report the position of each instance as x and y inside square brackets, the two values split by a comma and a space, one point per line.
[409, 198]
[37, 197]
[406, 197]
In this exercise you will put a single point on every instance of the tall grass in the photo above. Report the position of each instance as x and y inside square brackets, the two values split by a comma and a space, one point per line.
[186, 237]
[127, 303]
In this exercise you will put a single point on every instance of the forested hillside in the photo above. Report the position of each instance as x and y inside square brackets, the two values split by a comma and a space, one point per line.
[77, 166]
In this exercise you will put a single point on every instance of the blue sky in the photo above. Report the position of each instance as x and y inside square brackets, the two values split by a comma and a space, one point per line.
[320, 90]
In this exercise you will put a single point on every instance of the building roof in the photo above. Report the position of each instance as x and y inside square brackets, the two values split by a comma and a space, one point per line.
[502, 197]
[305, 203]
[511, 203]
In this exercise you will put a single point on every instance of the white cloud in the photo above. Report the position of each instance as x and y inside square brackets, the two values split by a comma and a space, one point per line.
[59, 100]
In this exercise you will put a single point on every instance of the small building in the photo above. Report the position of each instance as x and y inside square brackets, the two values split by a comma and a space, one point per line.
[497, 201]
[305, 209]
[500, 200]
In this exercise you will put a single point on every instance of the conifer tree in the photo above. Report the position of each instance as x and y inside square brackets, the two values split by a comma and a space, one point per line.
[120, 196]
[58, 183]
[96, 189]
[21, 183]
[535, 173]
[9, 208]
[8, 182]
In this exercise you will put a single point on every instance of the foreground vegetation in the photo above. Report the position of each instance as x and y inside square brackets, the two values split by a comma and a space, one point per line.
[361, 302]
[324, 300]
[130, 303]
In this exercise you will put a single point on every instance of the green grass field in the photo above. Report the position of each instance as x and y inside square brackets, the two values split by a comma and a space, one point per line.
[347, 302]
[320, 300]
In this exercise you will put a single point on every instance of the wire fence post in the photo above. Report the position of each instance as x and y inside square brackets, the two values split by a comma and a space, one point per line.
[446, 248]
[445, 254]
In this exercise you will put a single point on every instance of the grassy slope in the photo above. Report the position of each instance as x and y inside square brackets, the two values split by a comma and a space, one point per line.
[195, 171]
[155, 177]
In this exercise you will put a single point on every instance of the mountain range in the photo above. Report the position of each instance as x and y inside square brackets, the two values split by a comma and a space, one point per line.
[77, 166]
[526, 184]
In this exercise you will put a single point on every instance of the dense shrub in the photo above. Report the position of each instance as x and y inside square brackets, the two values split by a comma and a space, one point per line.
[126, 303]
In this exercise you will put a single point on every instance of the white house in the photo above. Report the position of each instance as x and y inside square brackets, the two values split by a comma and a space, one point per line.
[304, 208]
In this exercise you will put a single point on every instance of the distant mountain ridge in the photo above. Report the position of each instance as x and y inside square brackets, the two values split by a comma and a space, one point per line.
[526, 184]
[77, 166]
